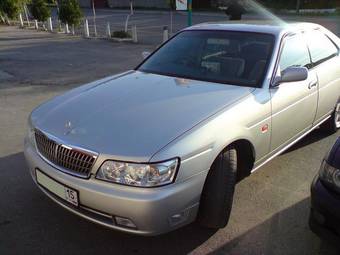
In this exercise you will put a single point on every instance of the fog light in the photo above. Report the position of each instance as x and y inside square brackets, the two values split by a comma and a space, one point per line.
[124, 222]
[179, 218]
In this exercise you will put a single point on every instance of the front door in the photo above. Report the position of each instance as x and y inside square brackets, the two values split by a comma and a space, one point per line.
[294, 104]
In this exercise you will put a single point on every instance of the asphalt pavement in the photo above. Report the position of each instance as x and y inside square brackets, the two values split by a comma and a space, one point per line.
[271, 207]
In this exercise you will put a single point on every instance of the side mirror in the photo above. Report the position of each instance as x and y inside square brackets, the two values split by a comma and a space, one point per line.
[145, 54]
[292, 74]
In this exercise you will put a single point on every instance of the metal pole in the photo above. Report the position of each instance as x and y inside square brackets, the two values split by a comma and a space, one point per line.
[189, 13]
[131, 7]
[127, 22]
[21, 21]
[58, 11]
[2, 18]
[86, 29]
[94, 19]
[298, 4]
[171, 21]
[165, 34]
[108, 30]
[67, 30]
[49, 24]
[134, 34]
[26, 14]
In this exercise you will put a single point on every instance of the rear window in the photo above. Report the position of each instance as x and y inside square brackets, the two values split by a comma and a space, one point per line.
[235, 58]
[321, 47]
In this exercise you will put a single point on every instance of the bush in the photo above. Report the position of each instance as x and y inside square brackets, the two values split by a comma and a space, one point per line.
[121, 34]
[11, 8]
[40, 10]
[70, 12]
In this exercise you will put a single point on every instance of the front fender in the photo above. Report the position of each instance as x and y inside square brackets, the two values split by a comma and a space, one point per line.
[199, 146]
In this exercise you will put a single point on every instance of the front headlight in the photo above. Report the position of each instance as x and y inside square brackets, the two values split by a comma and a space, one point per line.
[141, 175]
[330, 175]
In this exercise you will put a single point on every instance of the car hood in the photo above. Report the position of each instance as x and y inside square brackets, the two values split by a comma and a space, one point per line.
[132, 116]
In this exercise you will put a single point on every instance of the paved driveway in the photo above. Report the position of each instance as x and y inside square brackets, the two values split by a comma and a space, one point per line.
[270, 210]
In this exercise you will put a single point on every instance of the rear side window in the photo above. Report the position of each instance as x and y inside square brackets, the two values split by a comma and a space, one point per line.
[320, 46]
[294, 54]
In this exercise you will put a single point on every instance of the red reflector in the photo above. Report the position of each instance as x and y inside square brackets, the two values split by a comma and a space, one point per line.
[265, 128]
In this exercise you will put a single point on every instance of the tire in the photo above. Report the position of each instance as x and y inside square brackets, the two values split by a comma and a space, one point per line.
[332, 125]
[218, 191]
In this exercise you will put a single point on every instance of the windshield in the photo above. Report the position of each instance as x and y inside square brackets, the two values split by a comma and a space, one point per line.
[236, 58]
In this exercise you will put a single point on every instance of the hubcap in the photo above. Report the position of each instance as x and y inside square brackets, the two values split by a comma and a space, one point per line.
[337, 116]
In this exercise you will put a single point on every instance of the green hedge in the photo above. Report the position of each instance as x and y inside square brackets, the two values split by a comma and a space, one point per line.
[70, 12]
[120, 34]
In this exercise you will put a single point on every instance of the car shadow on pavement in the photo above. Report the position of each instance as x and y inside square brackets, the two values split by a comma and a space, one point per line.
[280, 234]
[315, 136]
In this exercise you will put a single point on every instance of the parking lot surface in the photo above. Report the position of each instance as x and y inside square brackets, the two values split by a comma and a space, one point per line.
[271, 207]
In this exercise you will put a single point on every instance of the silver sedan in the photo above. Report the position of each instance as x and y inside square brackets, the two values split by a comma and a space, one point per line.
[155, 148]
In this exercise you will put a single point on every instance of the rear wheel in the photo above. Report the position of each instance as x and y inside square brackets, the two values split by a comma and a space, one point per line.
[218, 192]
[333, 124]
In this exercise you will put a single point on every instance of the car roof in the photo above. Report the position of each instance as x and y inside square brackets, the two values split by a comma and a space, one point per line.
[277, 28]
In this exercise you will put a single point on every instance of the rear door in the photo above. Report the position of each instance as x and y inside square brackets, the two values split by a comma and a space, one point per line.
[294, 104]
[326, 63]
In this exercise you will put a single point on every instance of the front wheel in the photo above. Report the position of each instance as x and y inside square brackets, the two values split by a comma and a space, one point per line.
[333, 124]
[218, 191]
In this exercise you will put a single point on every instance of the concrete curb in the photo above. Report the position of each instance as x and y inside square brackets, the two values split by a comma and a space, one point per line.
[113, 39]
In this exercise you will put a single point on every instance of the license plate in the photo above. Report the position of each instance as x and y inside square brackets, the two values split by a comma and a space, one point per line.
[58, 189]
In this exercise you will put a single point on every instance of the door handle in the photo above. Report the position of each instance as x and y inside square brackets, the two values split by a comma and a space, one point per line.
[312, 84]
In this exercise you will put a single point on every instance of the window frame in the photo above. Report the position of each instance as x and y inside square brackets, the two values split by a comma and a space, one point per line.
[284, 39]
[314, 65]
[310, 65]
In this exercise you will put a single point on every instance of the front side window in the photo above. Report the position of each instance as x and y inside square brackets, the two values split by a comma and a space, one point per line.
[294, 54]
[236, 58]
[320, 46]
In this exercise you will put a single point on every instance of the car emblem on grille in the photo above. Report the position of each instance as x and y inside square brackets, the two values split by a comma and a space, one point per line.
[68, 127]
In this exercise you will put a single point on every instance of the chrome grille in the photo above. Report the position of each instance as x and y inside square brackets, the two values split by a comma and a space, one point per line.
[66, 159]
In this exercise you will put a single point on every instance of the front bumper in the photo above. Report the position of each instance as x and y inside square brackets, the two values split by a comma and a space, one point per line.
[153, 210]
[324, 217]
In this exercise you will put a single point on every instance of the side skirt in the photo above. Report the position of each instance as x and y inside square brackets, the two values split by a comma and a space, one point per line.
[290, 145]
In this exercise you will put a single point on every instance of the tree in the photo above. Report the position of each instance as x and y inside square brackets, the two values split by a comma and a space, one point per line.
[40, 10]
[70, 12]
[172, 4]
[10, 8]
